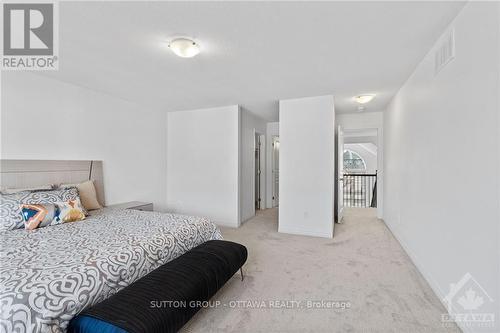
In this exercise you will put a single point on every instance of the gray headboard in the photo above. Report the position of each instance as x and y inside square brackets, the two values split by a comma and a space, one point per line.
[29, 173]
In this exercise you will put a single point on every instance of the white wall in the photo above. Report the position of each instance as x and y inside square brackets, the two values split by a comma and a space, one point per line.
[360, 120]
[307, 170]
[203, 163]
[442, 160]
[43, 118]
[273, 129]
[369, 120]
[250, 124]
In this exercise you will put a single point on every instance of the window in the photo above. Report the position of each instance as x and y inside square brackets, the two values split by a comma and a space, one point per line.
[353, 161]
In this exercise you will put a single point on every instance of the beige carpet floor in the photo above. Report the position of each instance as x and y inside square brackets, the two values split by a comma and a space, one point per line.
[363, 265]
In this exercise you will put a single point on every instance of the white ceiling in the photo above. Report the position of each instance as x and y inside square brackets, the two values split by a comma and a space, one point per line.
[253, 54]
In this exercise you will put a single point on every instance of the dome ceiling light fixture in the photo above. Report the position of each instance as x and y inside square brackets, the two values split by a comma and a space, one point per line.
[184, 47]
[365, 98]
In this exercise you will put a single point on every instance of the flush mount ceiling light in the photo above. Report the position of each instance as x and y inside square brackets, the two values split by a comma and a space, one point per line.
[184, 47]
[363, 99]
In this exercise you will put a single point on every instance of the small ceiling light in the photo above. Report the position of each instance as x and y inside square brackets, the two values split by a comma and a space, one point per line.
[184, 47]
[363, 99]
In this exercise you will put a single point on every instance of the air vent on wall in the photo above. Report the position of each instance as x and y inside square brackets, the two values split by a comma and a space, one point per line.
[445, 51]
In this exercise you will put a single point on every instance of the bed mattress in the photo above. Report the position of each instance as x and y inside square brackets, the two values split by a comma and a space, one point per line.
[49, 275]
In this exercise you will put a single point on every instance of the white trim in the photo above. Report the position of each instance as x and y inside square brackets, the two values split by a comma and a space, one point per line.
[239, 172]
[274, 201]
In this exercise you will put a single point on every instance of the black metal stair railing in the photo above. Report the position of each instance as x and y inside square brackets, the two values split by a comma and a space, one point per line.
[360, 190]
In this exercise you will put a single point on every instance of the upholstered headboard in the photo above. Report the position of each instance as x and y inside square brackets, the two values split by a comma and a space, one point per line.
[29, 173]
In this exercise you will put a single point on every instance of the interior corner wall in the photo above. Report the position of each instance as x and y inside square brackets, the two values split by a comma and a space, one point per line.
[307, 166]
[442, 161]
[44, 118]
[204, 163]
[250, 125]
[273, 129]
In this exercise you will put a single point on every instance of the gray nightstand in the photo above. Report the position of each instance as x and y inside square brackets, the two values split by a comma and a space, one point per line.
[137, 205]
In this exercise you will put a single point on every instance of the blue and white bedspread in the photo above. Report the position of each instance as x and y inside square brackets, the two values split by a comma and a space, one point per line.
[49, 275]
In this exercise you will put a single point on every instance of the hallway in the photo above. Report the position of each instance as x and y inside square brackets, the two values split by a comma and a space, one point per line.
[363, 265]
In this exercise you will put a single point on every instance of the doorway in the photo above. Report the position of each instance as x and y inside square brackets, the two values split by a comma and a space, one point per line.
[275, 169]
[357, 162]
[258, 172]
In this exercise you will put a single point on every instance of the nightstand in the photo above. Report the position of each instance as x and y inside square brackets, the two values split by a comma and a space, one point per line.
[137, 205]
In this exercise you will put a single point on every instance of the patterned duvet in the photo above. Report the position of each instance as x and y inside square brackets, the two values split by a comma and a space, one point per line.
[49, 275]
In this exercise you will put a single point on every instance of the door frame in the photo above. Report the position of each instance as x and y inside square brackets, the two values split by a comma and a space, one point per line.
[339, 175]
[380, 159]
[275, 188]
[262, 159]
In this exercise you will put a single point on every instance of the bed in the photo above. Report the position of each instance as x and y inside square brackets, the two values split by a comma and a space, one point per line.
[49, 275]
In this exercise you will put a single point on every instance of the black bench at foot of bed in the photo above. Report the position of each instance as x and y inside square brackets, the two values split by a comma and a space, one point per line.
[165, 299]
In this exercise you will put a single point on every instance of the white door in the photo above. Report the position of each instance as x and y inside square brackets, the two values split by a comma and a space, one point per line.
[340, 174]
[257, 172]
[276, 170]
